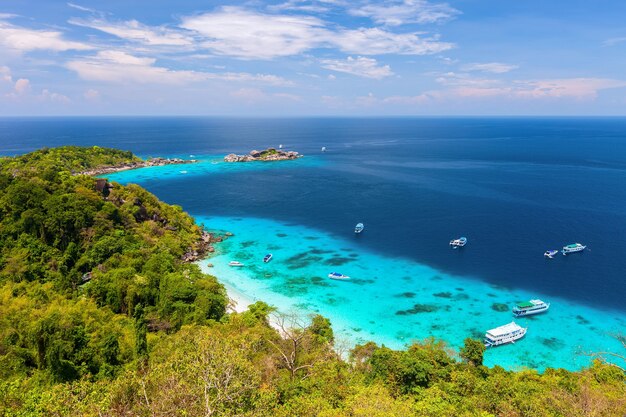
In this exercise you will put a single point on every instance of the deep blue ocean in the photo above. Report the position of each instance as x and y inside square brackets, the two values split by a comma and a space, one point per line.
[514, 186]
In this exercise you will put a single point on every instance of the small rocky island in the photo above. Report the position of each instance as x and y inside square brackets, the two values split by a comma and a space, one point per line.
[270, 154]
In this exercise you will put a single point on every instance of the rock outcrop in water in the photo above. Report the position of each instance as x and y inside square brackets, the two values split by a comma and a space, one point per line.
[269, 154]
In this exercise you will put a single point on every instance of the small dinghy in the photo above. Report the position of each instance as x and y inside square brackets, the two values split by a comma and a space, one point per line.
[337, 275]
[235, 263]
[267, 258]
[550, 253]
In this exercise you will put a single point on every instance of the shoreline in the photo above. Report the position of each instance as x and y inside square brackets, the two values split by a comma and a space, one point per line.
[151, 162]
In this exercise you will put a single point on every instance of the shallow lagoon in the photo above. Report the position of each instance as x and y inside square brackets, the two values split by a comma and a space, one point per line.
[395, 301]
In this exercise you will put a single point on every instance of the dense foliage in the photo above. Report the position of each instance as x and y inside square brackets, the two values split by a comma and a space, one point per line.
[99, 316]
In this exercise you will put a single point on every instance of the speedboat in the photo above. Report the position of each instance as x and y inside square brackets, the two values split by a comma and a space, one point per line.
[550, 253]
[458, 243]
[359, 228]
[530, 307]
[235, 263]
[337, 275]
[267, 258]
[508, 333]
[574, 247]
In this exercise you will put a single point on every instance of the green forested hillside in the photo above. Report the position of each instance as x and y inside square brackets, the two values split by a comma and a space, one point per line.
[99, 316]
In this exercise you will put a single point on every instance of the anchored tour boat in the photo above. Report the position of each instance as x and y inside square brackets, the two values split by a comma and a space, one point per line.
[530, 307]
[458, 243]
[574, 247]
[508, 333]
[359, 228]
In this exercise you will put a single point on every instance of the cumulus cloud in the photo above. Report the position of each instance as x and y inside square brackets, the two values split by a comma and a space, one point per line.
[492, 67]
[5, 74]
[246, 34]
[24, 40]
[396, 13]
[120, 67]
[47, 95]
[135, 31]
[360, 66]
[92, 95]
[22, 86]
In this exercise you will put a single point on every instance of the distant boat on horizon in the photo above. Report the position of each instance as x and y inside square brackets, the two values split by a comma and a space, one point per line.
[359, 228]
[323, 148]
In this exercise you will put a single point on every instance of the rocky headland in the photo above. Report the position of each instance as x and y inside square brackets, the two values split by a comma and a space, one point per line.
[269, 154]
[151, 162]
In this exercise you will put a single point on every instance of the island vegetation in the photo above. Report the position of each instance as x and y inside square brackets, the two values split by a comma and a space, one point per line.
[101, 315]
[269, 154]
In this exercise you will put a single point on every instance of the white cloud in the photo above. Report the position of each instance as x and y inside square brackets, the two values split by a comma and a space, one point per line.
[256, 95]
[614, 41]
[47, 95]
[135, 31]
[121, 67]
[580, 88]
[5, 74]
[462, 85]
[396, 13]
[374, 41]
[360, 66]
[493, 67]
[81, 8]
[92, 95]
[408, 100]
[21, 87]
[245, 34]
[23, 40]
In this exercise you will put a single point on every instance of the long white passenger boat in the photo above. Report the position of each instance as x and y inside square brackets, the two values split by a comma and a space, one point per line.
[508, 333]
[529, 308]
[574, 247]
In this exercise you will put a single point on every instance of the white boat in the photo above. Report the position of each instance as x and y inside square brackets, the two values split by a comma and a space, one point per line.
[530, 307]
[458, 243]
[359, 228]
[508, 333]
[267, 258]
[337, 275]
[550, 253]
[235, 263]
[323, 148]
[574, 247]
[280, 146]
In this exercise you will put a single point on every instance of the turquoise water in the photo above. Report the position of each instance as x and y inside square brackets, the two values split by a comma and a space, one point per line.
[389, 300]
[376, 303]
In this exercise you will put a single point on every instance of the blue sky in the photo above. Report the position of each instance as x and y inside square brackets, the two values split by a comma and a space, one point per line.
[312, 57]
